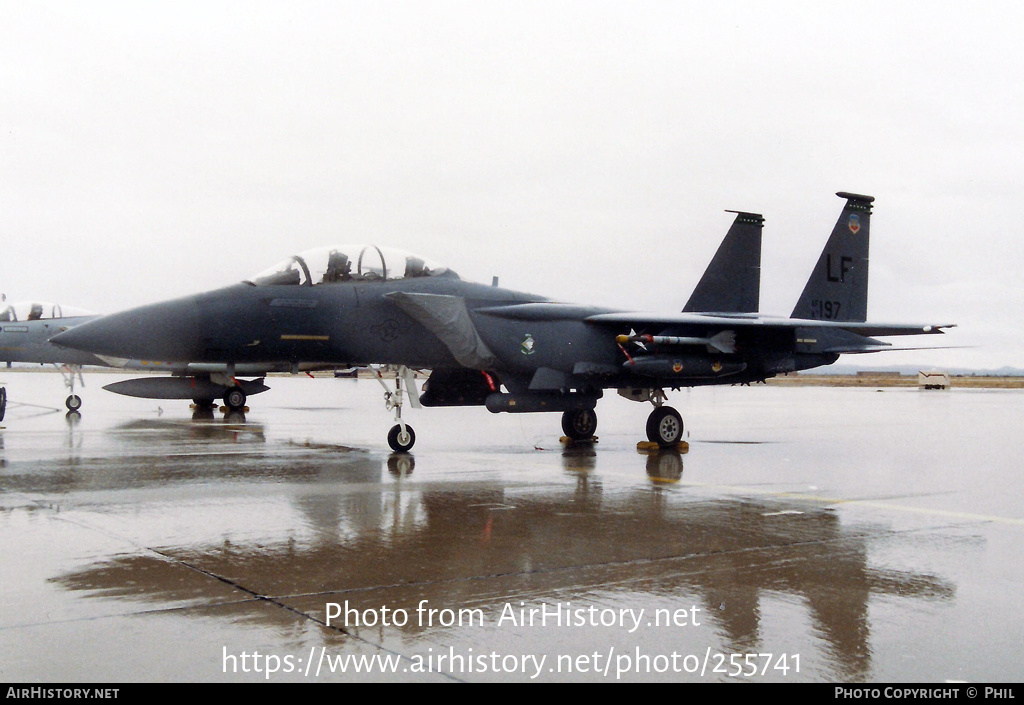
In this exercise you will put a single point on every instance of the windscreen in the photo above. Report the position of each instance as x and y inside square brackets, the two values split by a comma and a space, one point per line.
[38, 311]
[348, 263]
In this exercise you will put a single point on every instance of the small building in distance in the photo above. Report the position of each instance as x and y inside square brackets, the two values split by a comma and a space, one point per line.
[933, 379]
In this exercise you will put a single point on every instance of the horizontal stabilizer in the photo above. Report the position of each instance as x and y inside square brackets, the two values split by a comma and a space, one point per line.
[882, 347]
[870, 329]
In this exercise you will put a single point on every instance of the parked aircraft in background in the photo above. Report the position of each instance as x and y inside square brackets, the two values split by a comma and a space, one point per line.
[501, 349]
[25, 332]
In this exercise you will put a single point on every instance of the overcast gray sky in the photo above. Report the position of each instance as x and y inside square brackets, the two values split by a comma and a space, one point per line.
[582, 150]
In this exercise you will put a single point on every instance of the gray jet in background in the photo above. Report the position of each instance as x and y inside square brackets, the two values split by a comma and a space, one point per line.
[25, 332]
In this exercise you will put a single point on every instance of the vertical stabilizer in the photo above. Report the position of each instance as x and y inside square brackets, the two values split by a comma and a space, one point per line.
[732, 282]
[838, 287]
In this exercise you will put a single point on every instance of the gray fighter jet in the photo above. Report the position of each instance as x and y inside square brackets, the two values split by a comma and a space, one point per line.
[505, 350]
[25, 332]
[730, 284]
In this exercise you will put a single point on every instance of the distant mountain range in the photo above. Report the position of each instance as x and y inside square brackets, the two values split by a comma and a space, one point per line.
[913, 370]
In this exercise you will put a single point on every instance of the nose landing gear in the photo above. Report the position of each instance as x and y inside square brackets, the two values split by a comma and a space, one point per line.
[73, 402]
[401, 437]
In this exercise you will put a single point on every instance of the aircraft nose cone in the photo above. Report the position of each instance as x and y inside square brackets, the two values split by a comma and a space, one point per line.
[159, 332]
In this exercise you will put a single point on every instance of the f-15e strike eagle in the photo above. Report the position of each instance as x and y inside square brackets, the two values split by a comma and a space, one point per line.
[505, 350]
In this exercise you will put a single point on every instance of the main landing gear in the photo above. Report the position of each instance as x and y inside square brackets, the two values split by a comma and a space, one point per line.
[234, 399]
[234, 405]
[579, 424]
[401, 437]
[664, 425]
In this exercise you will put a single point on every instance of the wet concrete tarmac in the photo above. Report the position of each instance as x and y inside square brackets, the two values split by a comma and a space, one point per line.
[809, 534]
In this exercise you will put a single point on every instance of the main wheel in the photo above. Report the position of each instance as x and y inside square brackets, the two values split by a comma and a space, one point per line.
[3, 402]
[401, 442]
[234, 399]
[665, 426]
[579, 424]
[73, 402]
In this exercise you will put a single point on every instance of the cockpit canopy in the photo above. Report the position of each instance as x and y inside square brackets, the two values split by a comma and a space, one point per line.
[348, 263]
[38, 311]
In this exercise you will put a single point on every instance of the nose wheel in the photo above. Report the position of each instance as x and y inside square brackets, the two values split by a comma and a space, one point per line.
[401, 437]
[69, 372]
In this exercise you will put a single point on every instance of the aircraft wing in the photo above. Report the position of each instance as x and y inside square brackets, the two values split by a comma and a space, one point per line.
[552, 311]
[640, 320]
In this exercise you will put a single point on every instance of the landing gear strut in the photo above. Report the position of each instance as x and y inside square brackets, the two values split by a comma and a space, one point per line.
[401, 437]
[664, 425]
[73, 402]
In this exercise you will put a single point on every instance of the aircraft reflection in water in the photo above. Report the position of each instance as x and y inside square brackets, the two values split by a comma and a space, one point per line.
[492, 545]
[506, 350]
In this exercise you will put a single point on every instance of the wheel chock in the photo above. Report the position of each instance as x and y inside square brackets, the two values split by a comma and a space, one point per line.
[569, 442]
[651, 447]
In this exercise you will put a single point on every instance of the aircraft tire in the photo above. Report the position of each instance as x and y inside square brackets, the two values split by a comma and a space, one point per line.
[579, 424]
[399, 442]
[73, 402]
[665, 426]
[234, 399]
[3, 402]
